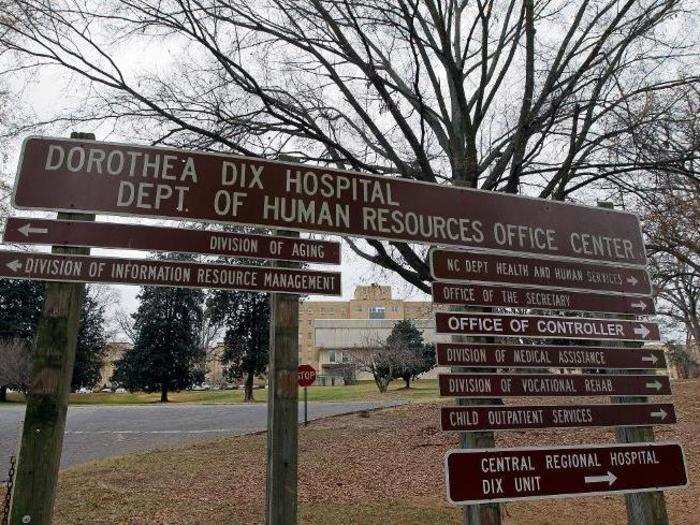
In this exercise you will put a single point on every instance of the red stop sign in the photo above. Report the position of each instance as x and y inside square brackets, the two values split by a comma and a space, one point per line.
[306, 375]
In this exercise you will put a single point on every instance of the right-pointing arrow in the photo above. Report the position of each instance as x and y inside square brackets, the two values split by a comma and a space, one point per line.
[610, 478]
[14, 265]
[659, 414]
[650, 358]
[632, 280]
[642, 331]
[655, 385]
[641, 305]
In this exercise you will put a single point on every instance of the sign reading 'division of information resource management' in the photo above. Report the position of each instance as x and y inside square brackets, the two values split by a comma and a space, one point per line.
[492, 475]
[152, 238]
[507, 325]
[519, 297]
[76, 268]
[537, 356]
[121, 179]
[488, 418]
[502, 385]
[455, 266]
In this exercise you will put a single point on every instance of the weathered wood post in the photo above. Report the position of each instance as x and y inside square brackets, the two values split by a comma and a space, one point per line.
[53, 355]
[282, 406]
[643, 508]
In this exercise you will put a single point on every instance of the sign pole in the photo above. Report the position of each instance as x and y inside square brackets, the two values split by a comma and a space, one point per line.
[53, 356]
[306, 406]
[643, 508]
[282, 407]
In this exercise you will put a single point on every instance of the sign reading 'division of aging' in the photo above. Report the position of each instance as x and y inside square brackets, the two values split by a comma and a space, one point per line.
[108, 270]
[455, 266]
[121, 179]
[507, 325]
[154, 238]
[502, 385]
[537, 356]
[491, 475]
[498, 417]
[519, 297]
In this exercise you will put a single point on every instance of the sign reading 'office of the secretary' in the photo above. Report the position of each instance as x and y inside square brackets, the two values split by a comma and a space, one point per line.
[119, 179]
[109, 270]
[490, 475]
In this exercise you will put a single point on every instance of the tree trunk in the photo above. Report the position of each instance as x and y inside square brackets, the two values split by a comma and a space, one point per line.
[164, 392]
[407, 380]
[3, 394]
[248, 396]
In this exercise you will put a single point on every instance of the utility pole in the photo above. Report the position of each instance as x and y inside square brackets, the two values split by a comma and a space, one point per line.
[52, 359]
[283, 403]
[643, 508]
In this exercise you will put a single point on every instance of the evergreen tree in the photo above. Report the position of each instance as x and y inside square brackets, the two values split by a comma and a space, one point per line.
[91, 346]
[247, 338]
[166, 354]
[413, 356]
[21, 302]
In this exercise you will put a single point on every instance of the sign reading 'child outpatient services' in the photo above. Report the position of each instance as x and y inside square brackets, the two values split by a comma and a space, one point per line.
[118, 179]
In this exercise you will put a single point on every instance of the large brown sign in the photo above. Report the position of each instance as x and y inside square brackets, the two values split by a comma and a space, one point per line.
[457, 266]
[538, 356]
[519, 297]
[152, 238]
[121, 179]
[508, 385]
[544, 327]
[75, 268]
[491, 475]
[487, 418]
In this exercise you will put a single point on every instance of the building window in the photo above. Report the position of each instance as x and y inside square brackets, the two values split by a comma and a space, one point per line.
[377, 312]
[331, 356]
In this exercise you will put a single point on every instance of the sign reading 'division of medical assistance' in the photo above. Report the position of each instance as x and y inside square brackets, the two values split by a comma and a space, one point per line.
[119, 179]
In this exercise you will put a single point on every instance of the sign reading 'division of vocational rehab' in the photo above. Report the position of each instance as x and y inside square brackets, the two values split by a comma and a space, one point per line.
[538, 356]
[152, 238]
[454, 266]
[545, 327]
[488, 418]
[518, 297]
[121, 179]
[502, 385]
[492, 475]
[76, 268]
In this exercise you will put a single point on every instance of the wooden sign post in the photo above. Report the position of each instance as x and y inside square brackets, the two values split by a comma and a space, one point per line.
[53, 356]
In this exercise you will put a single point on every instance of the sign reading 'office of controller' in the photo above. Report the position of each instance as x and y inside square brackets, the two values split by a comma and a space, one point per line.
[120, 179]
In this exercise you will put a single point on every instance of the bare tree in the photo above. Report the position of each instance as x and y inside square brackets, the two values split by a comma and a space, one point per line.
[14, 366]
[515, 96]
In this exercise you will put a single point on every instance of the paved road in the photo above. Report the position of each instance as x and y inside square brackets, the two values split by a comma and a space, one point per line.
[96, 432]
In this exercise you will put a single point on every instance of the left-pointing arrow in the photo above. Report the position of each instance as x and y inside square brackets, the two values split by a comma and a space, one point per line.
[14, 265]
[27, 230]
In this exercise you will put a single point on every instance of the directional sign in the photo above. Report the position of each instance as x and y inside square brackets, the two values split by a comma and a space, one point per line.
[76, 268]
[456, 266]
[537, 356]
[507, 385]
[519, 297]
[306, 375]
[122, 179]
[488, 418]
[544, 327]
[510, 474]
[137, 237]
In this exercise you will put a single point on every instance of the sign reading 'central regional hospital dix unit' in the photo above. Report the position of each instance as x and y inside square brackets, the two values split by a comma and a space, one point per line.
[118, 179]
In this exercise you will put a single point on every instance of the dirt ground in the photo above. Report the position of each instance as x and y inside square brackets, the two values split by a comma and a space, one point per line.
[385, 468]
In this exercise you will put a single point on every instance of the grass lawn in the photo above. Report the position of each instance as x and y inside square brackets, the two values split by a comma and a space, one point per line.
[385, 468]
[423, 390]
